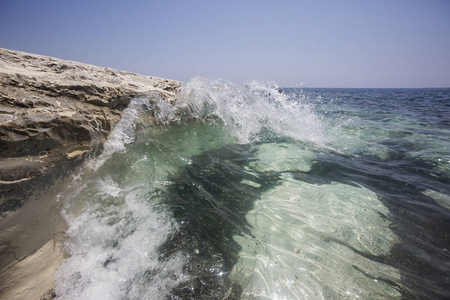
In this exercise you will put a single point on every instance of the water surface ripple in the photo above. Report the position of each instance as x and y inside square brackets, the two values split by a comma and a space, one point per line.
[252, 192]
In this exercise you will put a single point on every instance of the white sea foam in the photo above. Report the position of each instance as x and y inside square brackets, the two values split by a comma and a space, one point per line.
[115, 222]
[145, 110]
[248, 109]
[113, 246]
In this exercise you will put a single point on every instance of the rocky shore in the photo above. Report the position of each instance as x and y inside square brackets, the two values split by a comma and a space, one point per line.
[53, 114]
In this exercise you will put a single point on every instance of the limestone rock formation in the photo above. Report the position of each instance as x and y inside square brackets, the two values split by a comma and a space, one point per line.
[53, 114]
[53, 110]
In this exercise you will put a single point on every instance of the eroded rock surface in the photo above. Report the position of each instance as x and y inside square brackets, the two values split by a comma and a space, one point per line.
[53, 114]
[54, 111]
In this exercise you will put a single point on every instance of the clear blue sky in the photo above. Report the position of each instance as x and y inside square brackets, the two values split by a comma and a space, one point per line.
[345, 43]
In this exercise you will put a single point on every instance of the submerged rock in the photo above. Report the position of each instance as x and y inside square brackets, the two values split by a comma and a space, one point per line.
[53, 114]
[209, 199]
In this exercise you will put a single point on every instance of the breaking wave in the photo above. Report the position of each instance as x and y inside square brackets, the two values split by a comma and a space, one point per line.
[216, 198]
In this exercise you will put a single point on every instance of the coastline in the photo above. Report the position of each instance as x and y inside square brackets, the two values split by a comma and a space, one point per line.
[53, 115]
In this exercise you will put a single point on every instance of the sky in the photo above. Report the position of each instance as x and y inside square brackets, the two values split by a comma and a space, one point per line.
[346, 43]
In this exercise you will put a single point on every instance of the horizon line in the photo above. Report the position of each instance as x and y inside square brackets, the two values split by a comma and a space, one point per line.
[398, 88]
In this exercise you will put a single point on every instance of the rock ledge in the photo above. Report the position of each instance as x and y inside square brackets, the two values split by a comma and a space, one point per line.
[54, 111]
[53, 114]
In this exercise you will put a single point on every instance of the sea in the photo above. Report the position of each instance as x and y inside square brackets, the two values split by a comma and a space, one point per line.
[252, 191]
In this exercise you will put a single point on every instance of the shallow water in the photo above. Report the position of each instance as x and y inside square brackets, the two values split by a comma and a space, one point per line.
[243, 192]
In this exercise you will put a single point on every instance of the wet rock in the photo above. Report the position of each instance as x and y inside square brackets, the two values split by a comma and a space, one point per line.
[48, 295]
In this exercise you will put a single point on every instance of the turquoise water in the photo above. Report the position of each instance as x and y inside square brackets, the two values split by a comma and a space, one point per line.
[252, 192]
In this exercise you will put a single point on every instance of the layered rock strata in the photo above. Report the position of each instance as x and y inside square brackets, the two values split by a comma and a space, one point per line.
[53, 114]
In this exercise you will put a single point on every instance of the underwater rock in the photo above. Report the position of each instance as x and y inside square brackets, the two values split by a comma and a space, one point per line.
[209, 199]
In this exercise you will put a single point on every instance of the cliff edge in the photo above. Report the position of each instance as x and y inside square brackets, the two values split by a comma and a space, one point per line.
[53, 114]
